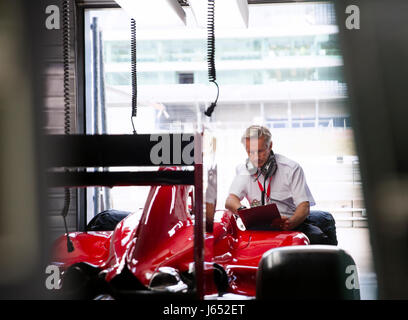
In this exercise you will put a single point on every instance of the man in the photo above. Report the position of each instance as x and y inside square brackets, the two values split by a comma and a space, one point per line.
[272, 178]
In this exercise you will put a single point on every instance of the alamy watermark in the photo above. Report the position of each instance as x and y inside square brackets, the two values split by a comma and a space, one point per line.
[161, 153]
[352, 280]
[53, 281]
[52, 21]
[353, 20]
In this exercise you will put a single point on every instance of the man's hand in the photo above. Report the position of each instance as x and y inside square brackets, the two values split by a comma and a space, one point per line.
[287, 223]
[232, 203]
[301, 212]
[290, 223]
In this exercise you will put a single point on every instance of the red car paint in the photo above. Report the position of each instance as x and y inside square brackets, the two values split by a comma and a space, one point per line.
[164, 236]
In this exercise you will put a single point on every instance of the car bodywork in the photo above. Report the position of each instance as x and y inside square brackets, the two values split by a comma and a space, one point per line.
[163, 239]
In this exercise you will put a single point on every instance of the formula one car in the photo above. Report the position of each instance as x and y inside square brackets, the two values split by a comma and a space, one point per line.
[154, 256]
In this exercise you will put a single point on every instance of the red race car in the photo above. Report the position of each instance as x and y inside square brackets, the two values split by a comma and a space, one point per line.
[154, 256]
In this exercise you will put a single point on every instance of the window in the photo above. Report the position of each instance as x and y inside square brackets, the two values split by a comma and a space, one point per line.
[285, 71]
[185, 77]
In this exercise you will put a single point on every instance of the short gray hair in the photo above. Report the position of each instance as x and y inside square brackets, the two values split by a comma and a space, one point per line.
[257, 132]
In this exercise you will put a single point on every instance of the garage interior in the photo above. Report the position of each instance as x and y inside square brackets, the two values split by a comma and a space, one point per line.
[332, 97]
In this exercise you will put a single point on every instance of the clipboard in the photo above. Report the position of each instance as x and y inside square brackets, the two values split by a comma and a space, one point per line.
[261, 218]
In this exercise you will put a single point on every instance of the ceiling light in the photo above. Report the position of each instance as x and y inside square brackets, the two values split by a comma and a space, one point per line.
[154, 13]
[228, 13]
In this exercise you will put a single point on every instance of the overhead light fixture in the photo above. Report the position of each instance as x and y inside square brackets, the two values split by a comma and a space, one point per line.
[228, 13]
[154, 13]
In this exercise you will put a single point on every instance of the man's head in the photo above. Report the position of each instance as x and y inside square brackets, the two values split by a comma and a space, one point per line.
[258, 144]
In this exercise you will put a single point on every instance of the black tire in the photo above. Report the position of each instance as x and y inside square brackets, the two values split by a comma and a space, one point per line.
[81, 281]
[307, 272]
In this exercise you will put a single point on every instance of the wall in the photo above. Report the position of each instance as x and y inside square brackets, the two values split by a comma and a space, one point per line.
[51, 41]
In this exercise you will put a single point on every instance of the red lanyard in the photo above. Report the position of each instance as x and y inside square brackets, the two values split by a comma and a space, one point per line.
[268, 192]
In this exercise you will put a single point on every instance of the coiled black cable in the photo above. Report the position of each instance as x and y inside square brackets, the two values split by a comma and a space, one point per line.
[133, 70]
[66, 37]
[212, 76]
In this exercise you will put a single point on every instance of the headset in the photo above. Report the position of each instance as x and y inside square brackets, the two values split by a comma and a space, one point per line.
[268, 169]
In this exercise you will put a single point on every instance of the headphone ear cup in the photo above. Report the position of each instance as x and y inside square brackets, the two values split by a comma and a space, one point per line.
[250, 167]
[271, 165]
[267, 166]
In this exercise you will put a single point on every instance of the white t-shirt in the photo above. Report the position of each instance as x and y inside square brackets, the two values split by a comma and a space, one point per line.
[288, 186]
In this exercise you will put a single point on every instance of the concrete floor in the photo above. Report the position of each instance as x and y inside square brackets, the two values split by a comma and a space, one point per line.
[356, 242]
